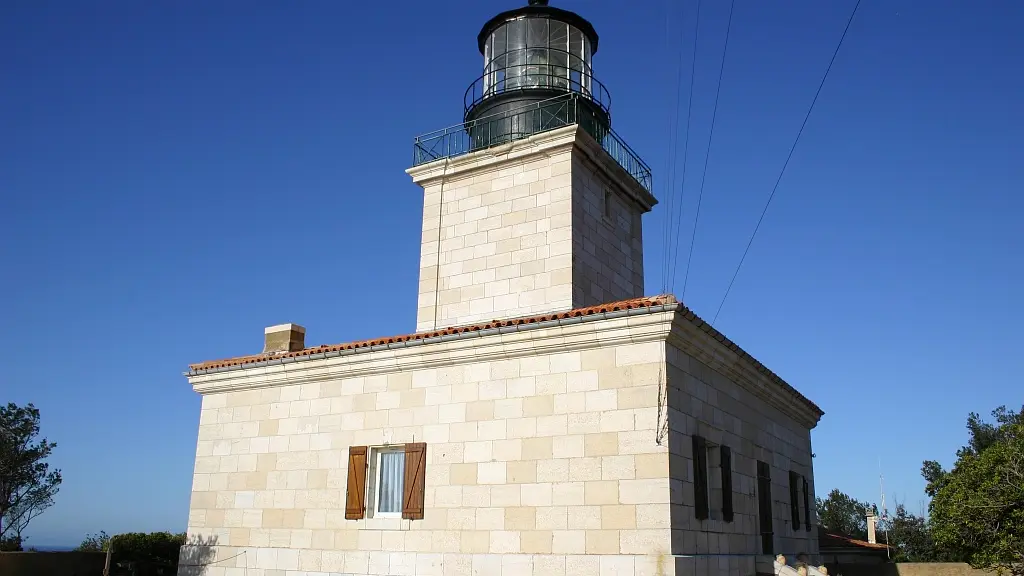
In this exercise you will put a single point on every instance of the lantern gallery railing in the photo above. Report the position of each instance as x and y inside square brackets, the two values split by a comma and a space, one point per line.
[520, 123]
[502, 79]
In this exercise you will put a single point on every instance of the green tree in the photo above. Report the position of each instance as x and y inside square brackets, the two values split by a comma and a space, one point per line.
[843, 514]
[910, 537]
[94, 543]
[977, 508]
[10, 544]
[27, 485]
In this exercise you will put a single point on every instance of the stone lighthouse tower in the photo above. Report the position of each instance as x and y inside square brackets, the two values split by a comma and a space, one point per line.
[546, 418]
[534, 203]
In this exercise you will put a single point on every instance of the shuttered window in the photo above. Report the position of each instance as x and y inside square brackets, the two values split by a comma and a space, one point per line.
[726, 458]
[395, 478]
[764, 507]
[794, 499]
[415, 481]
[807, 507]
[700, 478]
[355, 495]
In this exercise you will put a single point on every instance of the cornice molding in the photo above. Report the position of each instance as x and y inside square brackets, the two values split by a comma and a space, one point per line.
[445, 351]
[665, 323]
[467, 165]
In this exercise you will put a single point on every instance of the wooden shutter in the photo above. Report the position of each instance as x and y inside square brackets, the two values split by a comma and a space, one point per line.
[764, 507]
[807, 506]
[355, 495]
[700, 478]
[415, 481]
[726, 457]
[794, 496]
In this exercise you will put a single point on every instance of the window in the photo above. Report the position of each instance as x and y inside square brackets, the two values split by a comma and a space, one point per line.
[700, 478]
[764, 507]
[807, 506]
[386, 478]
[387, 481]
[608, 205]
[725, 458]
[794, 499]
[712, 480]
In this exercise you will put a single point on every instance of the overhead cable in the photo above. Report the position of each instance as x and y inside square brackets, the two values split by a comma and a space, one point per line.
[788, 157]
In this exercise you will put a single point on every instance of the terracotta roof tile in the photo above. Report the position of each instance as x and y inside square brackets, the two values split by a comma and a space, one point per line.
[634, 303]
[830, 539]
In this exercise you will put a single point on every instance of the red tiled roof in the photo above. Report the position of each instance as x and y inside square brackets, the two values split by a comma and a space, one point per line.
[634, 303]
[829, 539]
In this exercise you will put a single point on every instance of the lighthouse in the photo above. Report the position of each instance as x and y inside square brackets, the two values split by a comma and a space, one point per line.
[533, 203]
[546, 417]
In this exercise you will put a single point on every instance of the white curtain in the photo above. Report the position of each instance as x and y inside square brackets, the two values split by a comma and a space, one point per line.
[392, 475]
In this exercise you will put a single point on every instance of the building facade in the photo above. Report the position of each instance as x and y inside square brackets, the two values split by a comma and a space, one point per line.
[588, 431]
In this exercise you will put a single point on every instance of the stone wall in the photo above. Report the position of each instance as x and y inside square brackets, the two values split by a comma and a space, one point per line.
[705, 402]
[534, 226]
[607, 237]
[505, 242]
[545, 464]
[52, 563]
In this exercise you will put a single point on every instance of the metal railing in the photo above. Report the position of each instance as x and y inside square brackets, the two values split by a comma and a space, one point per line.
[523, 122]
[542, 74]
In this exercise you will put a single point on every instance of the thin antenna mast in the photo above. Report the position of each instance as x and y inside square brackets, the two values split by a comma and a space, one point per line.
[885, 513]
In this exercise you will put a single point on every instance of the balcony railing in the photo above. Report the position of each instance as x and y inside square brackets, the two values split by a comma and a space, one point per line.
[521, 123]
[532, 76]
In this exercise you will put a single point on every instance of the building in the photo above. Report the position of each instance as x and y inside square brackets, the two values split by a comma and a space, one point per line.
[841, 554]
[546, 417]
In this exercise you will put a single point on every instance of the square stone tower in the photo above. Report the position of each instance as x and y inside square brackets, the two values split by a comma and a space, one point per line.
[543, 224]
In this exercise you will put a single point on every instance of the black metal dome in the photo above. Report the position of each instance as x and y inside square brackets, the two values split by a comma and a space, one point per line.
[539, 8]
[538, 75]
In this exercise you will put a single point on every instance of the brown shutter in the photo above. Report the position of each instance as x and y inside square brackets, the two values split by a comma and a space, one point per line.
[726, 456]
[700, 478]
[794, 504]
[807, 507]
[415, 481]
[355, 497]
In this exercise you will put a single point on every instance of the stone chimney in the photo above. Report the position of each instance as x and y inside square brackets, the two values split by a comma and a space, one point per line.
[871, 525]
[283, 338]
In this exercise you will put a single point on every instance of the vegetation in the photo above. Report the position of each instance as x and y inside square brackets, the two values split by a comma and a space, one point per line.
[27, 485]
[94, 543]
[977, 508]
[153, 553]
[976, 514]
[842, 514]
[910, 537]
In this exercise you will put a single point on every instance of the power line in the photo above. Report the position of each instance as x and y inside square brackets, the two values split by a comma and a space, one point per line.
[673, 138]
[788, 157]
[707, 155]
[678, 214]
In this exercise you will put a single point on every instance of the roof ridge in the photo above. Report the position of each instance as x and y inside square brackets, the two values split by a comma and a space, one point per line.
[630, 304]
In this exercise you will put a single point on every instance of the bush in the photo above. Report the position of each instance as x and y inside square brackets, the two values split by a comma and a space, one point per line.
[137, 553]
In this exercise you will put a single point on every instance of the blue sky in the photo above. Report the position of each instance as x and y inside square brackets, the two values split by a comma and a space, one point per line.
[174, 176]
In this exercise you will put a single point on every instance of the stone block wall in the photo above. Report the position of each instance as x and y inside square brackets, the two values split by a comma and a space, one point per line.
[607, 238]
[504, 244]
[707, 403]
[540, 227]
[547, 464]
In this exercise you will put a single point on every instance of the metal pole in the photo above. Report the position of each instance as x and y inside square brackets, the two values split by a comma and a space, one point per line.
[106, 563]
